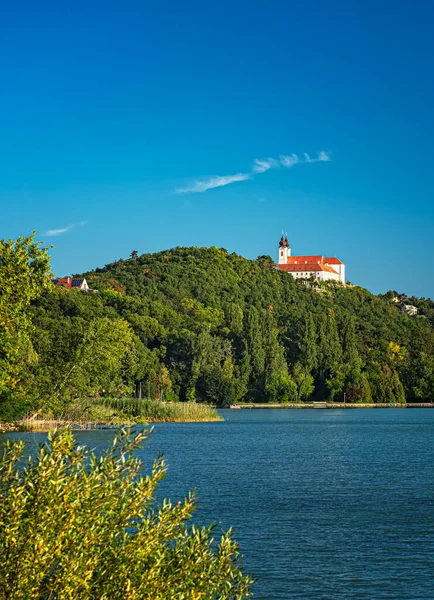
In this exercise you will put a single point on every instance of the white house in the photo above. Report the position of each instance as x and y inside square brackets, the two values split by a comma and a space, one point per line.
[302, 267]
[409, 309]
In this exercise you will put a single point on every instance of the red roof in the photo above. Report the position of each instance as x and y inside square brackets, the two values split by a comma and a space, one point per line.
[305, 260]
[64, 280]
[69, 281]
[310, 263]
[303, 267]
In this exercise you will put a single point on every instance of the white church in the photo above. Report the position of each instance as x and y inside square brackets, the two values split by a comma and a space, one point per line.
[302, 267]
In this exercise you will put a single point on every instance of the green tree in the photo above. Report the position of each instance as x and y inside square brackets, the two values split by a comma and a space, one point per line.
[105, 348]
[215, 370]
[308, 344]
[234, 318]
[75, 526]
[330, 364]
[303, 381]
[255, 348]
[419, 376]
[386, 385]
[351, 359]
[24, 275]
[242, 372]
[279, 385]
[359, 392]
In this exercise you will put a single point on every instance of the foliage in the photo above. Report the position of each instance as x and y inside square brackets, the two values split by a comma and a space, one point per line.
[24, 271]
[76, 525]
[199, 324]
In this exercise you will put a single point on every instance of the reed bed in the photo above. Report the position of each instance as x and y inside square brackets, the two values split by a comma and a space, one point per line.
[40, 425]
[153, 411]
[99, 413]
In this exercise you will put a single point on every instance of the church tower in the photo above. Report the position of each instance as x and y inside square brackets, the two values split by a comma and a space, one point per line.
[284, 250]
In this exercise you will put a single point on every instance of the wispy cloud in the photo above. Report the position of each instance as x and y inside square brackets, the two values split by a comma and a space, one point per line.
[61, 230]
[260, 165]
[290, 160]
[213, 182]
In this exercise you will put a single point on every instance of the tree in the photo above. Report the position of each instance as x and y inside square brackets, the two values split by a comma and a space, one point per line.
[279, 385]
[359, 392]
[24, 275]
[386, 385]
[330, 366]
[234, 318]
[96, 365]
[307, 344]
[255, 350]
[350, 355]
[304, 382]
[213, 370]
[77, 526]
[419, 376]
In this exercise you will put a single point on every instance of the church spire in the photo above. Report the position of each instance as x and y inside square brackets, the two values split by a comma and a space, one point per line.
[284, 249]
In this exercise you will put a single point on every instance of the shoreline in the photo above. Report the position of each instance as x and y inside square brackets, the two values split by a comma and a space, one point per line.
[330, 405]
[45, 425]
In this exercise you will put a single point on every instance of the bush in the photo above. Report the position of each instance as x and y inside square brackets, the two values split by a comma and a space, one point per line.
[74, 525]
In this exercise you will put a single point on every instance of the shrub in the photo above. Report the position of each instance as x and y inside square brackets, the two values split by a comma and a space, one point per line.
[76, 525]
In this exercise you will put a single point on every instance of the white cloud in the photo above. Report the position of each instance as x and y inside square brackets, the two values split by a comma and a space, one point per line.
[54, 232]
[289, 161]
[293, 159]
[214, 182]
[57, 231]
[260, 165]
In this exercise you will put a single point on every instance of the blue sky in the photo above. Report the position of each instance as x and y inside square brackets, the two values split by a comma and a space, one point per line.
[117, 118]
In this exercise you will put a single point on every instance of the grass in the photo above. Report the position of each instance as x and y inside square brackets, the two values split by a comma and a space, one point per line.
[93, 413]
[153, 411]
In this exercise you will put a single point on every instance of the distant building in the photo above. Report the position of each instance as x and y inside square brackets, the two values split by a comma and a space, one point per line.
[409, 309]
[78, 283]
[397, 298]
[301, 267]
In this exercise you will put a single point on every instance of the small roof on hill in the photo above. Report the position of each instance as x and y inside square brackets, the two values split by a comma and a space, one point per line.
[69, 281]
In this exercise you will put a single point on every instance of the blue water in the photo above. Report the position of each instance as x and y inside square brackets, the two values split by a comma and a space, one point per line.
[325, 503]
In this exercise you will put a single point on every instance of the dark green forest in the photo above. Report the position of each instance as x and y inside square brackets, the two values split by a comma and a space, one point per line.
[202, 324]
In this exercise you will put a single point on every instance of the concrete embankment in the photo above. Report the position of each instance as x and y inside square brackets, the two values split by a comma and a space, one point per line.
[318, 405]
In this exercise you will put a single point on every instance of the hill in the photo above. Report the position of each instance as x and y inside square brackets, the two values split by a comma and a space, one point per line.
[202, 324]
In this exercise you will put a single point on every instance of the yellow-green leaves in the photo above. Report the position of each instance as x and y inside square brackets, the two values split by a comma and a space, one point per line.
[24, 275]
[74, 525]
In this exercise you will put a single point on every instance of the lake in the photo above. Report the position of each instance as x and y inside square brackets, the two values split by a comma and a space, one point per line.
[325, 503]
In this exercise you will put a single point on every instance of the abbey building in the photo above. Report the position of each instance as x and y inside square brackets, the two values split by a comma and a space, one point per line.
[302, 267]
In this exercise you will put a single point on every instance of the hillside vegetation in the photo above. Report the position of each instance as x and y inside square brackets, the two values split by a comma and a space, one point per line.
[201, 324]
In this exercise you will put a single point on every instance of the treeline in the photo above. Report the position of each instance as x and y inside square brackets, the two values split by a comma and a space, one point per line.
[202, 324]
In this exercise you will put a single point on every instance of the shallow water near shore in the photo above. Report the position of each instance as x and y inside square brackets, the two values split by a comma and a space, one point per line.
[325, 503]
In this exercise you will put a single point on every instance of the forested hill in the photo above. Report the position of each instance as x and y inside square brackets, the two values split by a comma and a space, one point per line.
[199, 323]
[227, 328]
